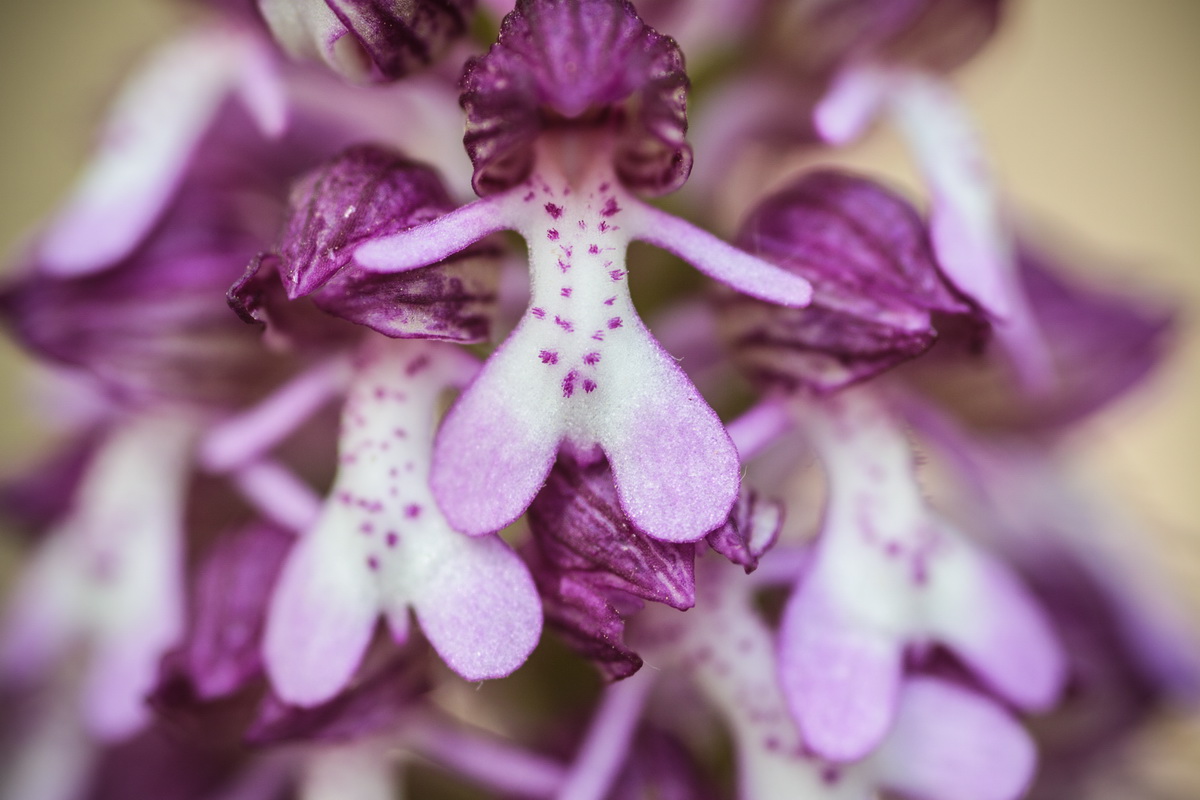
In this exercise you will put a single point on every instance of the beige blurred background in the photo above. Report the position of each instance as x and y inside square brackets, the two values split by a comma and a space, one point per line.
[1091, 109]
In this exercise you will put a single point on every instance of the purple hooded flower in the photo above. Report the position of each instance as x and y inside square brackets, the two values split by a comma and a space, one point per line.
[876, 285]
[580, 368]
[368, 41]
[564, 63]
[363, 193]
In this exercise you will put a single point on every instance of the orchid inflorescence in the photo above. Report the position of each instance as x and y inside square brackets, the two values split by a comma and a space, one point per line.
[307, 515]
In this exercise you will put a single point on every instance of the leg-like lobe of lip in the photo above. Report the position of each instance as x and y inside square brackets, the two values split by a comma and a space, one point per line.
[676, 470]
[841, 681]
[479, 608]
[320, 622]
[497, 444]
[950, 743]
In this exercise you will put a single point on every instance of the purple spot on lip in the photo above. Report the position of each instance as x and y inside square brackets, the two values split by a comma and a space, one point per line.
[614, 323]
[392, 539]
[604, 186]
[564, 324]
[548, 357]
[598, 336]
[610, 207]
[367, 528]
[565, 291]
[564, 265]
[538, 312]
[529, 196]
[604, 226]
[373, 563]
[568, 384]
[567, 250]
[593, 249]
[416, 365]
[552, 235]
[412, 511]
[610, 301]
[591, 359]
[583, 225]
[553, 210]
[589, 386]
[399, 433]
[617, 274]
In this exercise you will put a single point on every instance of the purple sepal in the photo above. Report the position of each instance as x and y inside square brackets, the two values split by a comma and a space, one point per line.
[751, 530]
[875, 283]
[937, 35]
[365, 193]
[368, 41]
[585, 62]
[221, 651]
[591, 564]
[578, 525]
[1102, 343]
[376, 702]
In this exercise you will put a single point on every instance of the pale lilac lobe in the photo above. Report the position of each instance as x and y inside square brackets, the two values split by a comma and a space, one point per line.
[559, 64]
[364, 193]
[221, 651]
[368, 41]
[473, 597]
[876, 285]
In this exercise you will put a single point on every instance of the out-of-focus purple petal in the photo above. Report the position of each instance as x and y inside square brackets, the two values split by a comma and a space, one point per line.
[875, 282]
[366, 193]
[935, 35]
[571, 63]
[221, 650]
[377, 702]
[1102, 344]
[368, 41]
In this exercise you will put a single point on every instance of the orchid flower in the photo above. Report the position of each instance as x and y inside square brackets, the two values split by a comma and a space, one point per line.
[947, 742]
[581, 369]
[110, 576]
